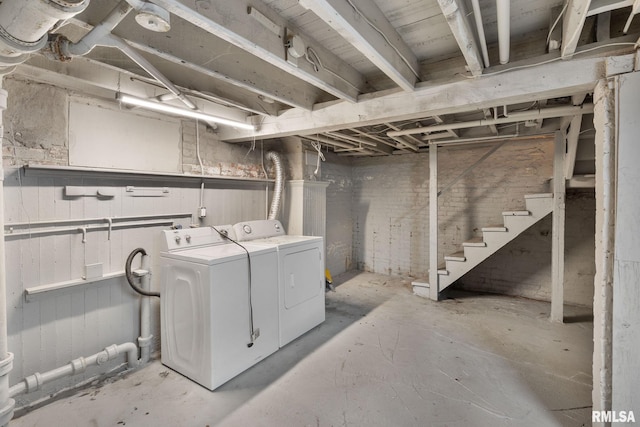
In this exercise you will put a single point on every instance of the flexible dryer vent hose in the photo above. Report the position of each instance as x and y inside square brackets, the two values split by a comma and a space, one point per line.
[279, 185]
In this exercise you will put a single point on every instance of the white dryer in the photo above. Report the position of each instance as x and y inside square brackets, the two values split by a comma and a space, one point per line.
[210, 305]
[301, 275]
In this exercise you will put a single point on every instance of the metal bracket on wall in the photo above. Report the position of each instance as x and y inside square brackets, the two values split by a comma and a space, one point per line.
[147, 191]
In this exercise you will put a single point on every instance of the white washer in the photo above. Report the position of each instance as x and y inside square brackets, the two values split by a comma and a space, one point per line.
[301, 275]
[205, 311]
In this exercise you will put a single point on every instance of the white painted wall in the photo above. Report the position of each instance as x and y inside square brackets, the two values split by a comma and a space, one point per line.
[626, 281]
[53, 329]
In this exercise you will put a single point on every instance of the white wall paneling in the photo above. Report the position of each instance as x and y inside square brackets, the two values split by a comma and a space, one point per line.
[49, 330]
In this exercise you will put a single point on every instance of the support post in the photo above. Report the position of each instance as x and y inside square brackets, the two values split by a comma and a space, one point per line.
[434, 288]
[604, 121]
[557, 245]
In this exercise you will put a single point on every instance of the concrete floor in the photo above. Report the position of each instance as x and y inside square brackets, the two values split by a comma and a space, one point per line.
[382, 358]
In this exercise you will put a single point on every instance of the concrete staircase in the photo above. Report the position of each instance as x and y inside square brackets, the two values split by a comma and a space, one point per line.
[493, 238]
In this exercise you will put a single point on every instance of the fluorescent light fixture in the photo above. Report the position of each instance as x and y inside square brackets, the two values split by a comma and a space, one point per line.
[183, 112]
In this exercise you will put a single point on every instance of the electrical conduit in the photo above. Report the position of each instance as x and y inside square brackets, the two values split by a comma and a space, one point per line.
[279, 184]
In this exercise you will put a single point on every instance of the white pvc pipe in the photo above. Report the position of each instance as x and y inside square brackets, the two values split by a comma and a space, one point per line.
[504, 29]
[546, 113]
[6, 359]
[30, 20]
[480, 27]
[95, 36]
[25, 25]
[36, 381]
[144, 341]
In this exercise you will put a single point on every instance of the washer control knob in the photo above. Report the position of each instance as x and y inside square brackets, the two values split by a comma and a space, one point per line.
[277, 226]
[246, 228]
[178, 238]
[188, 238]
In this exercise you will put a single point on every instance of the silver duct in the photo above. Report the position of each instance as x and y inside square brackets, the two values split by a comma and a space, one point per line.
[279, 185]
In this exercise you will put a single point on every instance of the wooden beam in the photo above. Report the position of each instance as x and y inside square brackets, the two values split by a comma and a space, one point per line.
[202, 54]
[434, 288]
[454, 12]
[231, 21]
[603, 27]
[547, 81]
[572, 146]
[555, 35]
[372, 145]
[369, 31]
[572, 25]
[558, 230]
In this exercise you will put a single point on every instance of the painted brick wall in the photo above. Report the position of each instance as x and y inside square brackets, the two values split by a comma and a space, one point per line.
[390, 214]
[337, 172]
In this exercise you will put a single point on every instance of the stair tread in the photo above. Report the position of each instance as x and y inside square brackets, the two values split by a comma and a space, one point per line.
[443, 272]
[456, 256]
[495, 228]
[516, 213]
[539, 196]
[475, 242]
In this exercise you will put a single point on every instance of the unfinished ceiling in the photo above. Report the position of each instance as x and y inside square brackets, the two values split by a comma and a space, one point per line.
[272, 61]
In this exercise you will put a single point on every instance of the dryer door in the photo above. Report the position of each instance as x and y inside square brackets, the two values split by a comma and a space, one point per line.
[301, 272]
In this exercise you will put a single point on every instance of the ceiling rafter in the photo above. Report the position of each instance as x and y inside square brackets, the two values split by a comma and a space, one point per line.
[369, 31]
[572, 24]
[454, 12]
[232, 22]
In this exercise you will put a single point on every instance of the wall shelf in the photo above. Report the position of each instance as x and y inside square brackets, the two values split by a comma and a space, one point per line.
[48, 170]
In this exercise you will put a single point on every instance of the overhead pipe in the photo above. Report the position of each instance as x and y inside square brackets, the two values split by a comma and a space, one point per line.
[480, 27]
[6, 359]
[62, 49]
[24, 25]
[504, 29]
[546, 113]
[77, 366]
[278, 186]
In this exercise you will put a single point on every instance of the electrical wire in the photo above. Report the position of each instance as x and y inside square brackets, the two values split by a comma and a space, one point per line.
[564, 9]
[252, 333]
[319, 64]
[316, 145]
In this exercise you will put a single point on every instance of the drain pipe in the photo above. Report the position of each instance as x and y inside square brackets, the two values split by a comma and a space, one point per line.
[6, 359]
[504, 29]
[144, 340]
[24, 25]
[77, 366]
[279, 184]
[62, 49]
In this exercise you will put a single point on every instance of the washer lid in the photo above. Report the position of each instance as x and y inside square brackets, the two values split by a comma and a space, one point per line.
[289, 240]
[216, 254]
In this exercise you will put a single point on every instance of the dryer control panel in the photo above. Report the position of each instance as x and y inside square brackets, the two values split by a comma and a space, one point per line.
[251, 230]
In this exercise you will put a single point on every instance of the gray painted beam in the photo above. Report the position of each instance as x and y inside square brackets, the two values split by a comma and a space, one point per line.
[552, 80]
[369, 31]
[572, 24]
[558, 230]
[454, 12]
[230, 21]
